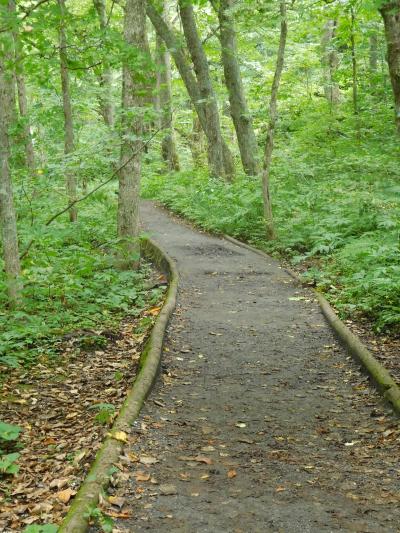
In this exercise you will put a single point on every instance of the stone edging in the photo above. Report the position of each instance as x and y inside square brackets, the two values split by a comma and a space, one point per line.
[98, 477]
[382, 379]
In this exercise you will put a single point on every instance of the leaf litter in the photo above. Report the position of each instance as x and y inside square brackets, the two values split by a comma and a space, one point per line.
[57, 404]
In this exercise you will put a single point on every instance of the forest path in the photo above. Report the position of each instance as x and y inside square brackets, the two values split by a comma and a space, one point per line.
[254, 383]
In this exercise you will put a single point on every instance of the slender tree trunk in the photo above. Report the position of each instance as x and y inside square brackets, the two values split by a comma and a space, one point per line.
[221, 158]
[273, 116]
[69, 147]
[22, 99]
[373, 53]
[391, 17]
[106, 104]
[330, 62]
[134, 97]
[168, 145]
[177, 52]
[197, 142]
[238, 105]
[354, 61]
[7, 211]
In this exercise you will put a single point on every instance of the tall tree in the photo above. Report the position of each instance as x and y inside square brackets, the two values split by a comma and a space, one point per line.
[273, 116]
[390, 12]
[168, 145]
[330, 62]
[238, 105]
[21, 91]
[69, 146]
[8, 219]
[178, 53]
[134, 97]
[106, 103]
[219, 151]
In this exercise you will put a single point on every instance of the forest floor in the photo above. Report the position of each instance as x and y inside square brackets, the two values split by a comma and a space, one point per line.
[65, 405]
[260, 421]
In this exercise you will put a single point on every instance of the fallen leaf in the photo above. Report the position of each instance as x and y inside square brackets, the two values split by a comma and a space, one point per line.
[59, 483]
[198, 459]
[117, 501]
[280, 489]
[142, 476]
[65, 495]
[147, 460]
[119, 435]
[232, 473]
[240, 425]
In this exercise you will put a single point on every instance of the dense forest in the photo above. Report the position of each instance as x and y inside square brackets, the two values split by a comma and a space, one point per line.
[275, 122]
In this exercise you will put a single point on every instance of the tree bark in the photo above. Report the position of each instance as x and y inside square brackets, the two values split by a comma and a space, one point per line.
[134, 97]
[7, 210]
[330, 63]
[238, 105]
[220, 156]
[69, 147]
[106, 104]
[373, 52]
[391, 18]
[168, 144]
[273, 116]
[354, 60]
[22, 99]
[176, 50]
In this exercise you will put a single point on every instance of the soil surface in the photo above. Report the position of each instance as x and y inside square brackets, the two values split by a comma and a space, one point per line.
[260, 421]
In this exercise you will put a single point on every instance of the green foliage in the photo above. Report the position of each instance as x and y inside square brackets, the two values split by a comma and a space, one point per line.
[105, 522]
[335, 198]
[9, 432]
[106, 413]
[8, 463]
[71, 284]
[45, 528]
[8, 435]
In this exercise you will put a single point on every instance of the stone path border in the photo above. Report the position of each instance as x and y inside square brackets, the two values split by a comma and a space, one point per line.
[381, 378]
[76, 520]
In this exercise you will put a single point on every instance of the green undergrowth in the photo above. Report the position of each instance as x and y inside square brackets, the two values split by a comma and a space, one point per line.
[71, 283]
[336, 206]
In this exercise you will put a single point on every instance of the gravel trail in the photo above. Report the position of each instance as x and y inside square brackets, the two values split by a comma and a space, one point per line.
[260, 421]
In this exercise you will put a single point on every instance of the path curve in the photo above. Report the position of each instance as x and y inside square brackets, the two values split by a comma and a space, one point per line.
[254, 382]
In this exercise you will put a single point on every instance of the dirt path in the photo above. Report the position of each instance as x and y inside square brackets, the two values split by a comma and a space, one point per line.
[254, 383]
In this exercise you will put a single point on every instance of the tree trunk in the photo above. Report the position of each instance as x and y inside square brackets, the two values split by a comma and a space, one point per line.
[391, 17]
[21, 91]
[273, 116]
[354, 61]
[238, 105]
[197, 142]
[70, 181]
[7, 211]
[134, 96]
[175, 48]
[330, 63]
[168, 145]
[106, 105]
[220, 156]
[373, 52]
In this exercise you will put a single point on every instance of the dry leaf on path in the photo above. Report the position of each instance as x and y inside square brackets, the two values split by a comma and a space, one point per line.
[232, 473]
[142, 476]
[147, 460]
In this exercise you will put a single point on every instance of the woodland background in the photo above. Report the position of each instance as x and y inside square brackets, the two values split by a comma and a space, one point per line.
[326, 198]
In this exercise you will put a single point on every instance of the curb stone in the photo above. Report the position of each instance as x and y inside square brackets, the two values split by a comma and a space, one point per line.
[381, 378]
[76, 520]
